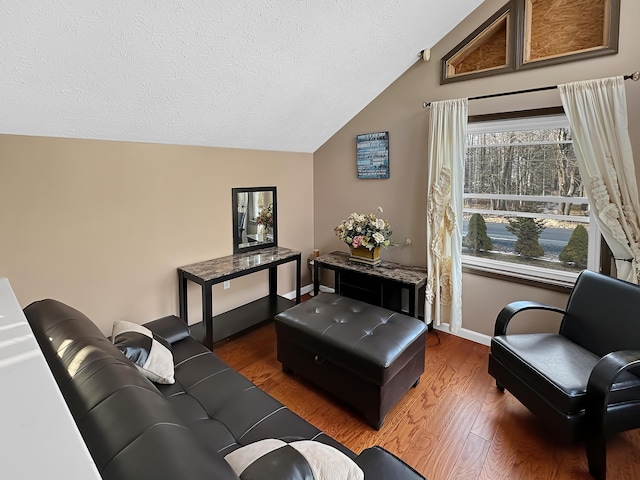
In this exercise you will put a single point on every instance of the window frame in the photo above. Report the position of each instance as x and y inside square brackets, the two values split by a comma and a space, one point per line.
[546, 277]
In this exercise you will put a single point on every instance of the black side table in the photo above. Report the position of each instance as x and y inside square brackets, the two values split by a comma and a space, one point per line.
[381, 285]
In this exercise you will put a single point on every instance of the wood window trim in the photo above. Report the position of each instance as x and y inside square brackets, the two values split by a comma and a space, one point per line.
[518, 18]
[510, 19]
[609, 46]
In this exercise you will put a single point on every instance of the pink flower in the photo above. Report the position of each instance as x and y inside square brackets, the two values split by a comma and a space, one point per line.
[356, 241]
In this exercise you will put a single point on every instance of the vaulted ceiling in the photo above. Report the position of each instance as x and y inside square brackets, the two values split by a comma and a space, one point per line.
[261, 74]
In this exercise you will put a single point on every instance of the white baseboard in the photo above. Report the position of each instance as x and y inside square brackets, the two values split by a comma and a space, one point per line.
[306, 289]
[480, 338]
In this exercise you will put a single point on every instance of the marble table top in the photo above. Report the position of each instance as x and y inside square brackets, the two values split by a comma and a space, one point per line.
[388, 270]
[221, 267]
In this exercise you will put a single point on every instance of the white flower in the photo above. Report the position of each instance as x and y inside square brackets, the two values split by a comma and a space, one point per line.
[369, 230]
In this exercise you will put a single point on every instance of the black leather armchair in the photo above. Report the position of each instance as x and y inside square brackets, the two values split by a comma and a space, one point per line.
[583, 382]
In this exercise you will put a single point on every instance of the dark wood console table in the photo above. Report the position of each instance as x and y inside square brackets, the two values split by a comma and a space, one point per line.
[381, 285]
[218, 270]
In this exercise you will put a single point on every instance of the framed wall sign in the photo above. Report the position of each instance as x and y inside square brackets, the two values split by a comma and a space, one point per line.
[372, 154]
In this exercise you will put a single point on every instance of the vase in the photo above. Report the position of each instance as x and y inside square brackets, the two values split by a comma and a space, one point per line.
[366, 256]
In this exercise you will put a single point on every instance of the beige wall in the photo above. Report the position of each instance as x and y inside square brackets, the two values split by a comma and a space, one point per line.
[399, 111]
[103, 225]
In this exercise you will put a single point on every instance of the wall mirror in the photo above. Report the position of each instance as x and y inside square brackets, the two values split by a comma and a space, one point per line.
[255, 218]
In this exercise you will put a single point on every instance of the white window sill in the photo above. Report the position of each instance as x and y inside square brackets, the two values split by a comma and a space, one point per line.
[541, 277]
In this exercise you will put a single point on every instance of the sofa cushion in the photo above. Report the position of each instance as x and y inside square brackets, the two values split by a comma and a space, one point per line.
[148, 351]
[225, 409]
[308, 460]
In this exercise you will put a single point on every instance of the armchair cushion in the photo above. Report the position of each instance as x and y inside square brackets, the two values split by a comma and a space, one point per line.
[557, 369]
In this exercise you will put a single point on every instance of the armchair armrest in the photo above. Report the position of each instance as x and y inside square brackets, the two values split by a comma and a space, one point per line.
[603, 376]
[598, 388]
[509, 311]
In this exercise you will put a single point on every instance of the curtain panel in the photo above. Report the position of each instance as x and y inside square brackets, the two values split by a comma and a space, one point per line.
[597, 112]
[446, 149]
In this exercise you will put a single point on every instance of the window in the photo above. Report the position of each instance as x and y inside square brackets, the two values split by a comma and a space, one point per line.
[525, 212]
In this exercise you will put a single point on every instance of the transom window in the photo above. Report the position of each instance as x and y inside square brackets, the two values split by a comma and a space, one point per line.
[525, 210]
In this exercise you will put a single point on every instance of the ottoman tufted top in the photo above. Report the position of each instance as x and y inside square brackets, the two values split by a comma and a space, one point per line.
[354, 333]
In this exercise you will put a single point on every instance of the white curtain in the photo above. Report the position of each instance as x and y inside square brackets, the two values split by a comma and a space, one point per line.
[447, 136]
[597, 112]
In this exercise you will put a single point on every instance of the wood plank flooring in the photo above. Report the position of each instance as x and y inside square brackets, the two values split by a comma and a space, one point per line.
[455, 425]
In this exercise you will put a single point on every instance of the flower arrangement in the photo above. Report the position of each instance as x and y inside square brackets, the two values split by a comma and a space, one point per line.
[265, 217]
[366, 231]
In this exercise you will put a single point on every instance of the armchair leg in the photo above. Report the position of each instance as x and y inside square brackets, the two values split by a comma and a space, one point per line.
[597, 456]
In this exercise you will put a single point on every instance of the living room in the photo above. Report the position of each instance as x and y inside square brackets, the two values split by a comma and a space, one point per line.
[121, 217]
[102, 225]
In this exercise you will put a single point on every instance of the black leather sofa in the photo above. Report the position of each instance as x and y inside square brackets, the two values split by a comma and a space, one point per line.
[136, 429]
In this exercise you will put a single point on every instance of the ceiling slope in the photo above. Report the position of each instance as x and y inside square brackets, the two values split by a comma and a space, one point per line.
[270, 75]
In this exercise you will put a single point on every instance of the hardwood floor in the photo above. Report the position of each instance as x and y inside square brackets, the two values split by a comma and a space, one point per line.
[455, 425]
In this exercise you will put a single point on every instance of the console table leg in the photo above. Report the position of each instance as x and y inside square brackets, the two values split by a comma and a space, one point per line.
[413, 302]
[182, 296]
[316, 279]
[298, 267]
[207, 315]
[273, 282]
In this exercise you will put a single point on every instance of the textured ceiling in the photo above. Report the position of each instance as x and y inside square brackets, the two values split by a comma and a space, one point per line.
[273, 75]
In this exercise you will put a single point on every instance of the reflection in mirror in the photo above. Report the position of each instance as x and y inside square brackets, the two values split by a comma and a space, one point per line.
[255, 222]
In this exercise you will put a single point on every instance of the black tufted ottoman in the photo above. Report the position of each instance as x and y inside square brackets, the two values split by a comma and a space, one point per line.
[365, 355]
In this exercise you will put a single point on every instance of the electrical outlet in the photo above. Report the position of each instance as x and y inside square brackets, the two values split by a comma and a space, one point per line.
[227, 284]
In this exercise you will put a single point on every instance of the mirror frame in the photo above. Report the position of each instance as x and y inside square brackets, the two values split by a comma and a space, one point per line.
[238, 245]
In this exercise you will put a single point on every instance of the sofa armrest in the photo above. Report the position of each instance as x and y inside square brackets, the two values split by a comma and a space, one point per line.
[380, 464]
[508, 312]
[171, 328]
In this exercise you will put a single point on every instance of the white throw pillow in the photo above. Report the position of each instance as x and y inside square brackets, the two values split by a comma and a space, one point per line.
[266, 457]
[149, 352]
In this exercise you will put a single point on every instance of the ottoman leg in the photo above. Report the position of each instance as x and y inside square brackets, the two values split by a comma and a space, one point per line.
[377, 424]
[416, 384]
[287, 370]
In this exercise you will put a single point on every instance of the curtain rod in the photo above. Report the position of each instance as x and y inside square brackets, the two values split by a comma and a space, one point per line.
[635, 76]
